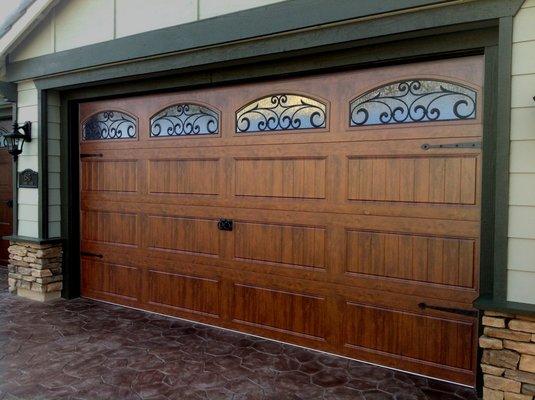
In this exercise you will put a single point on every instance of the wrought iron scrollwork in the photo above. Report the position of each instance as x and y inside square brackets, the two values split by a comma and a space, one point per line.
[109, 125]
[413, 101]
[281, 112]
[185, 119]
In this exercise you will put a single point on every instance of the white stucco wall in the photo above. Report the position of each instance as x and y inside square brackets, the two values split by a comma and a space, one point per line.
[521, 264]
[76, 23]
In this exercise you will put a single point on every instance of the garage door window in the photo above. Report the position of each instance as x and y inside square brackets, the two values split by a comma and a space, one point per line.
[110, 124]
[413, 101]
[281, 112]
[185, 119]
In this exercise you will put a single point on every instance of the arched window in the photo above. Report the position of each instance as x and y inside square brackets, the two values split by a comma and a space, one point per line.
[413, 100]
[110, 124]
[281, 112]
[185, 119]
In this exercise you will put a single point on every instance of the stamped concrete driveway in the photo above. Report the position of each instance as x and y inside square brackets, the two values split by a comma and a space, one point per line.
[81, 349]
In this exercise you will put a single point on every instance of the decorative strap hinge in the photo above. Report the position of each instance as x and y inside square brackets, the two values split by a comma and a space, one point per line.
[89, 254]
[462, 145]
[460, 311]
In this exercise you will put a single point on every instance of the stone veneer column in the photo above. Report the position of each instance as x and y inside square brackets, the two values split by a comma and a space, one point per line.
[508, 361]
[35, 270]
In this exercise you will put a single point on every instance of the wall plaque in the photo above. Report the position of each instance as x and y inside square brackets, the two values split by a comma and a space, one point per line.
[28, 179]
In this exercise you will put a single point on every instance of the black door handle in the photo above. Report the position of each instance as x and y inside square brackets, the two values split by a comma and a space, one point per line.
[9, 203]
[225, 224]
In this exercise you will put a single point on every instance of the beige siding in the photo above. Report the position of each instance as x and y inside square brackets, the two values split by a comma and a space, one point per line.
[76, 23]
[82, 22]
[518, 193]
[212, 8]
[135, 16]
[522, 123]
[521, 254]
[521, 263]
[520, 286]
[523, 26]
[39, 42]
[28, 199]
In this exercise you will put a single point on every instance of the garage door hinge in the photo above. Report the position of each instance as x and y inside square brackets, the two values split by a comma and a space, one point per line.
[463, 145]
[88, 254]
[470, 313]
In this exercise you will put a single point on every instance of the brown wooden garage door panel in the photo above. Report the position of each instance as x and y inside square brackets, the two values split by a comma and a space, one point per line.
[433, 179]
[293, 313]
[182, 234]
[109, 175]
[280, 244]
[447, 261]
[182, 176]
[5, 212]
[187, 293]
[110, 227]
[112, 279]
[430, 339]
[5, 179]
[302, 178]
[340, 231]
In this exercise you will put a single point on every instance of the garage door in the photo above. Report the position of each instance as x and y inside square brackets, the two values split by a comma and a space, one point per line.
[339, 212]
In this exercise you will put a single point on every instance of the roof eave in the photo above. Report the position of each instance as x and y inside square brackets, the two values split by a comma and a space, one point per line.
[29, 18]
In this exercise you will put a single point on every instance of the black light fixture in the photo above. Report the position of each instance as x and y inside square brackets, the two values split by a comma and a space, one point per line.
[14, 142]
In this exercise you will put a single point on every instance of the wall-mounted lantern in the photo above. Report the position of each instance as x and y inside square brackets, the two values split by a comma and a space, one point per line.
[14, 142]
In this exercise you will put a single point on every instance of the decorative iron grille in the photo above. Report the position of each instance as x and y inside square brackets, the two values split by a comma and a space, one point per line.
[281, 112]
[185, 119]
[413, 101]
[109, 125]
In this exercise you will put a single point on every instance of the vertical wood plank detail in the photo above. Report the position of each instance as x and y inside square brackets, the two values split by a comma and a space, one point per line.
[446, 261]
[437, 179]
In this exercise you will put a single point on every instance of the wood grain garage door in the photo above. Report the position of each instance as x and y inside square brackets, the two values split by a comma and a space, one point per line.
[355, 212]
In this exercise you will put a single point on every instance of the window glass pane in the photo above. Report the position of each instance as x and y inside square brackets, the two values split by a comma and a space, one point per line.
[281, 112]
[185, 119]
[109, 125]
[413, 101]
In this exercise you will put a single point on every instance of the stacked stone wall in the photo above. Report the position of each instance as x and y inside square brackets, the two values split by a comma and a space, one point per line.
[35, 270]
[508, 360]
